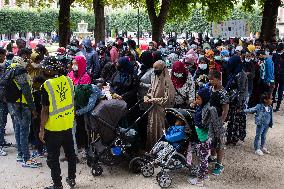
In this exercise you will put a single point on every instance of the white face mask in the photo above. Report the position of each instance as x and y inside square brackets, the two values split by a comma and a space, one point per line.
[267, 53]
[201, 56]
[75, 67]
[247, 59]
[202, 66]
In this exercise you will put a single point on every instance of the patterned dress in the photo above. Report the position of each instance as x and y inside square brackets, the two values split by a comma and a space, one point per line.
[185, 95]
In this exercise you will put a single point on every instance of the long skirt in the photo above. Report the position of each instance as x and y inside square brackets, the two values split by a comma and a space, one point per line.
[156, 126]
[236, 129]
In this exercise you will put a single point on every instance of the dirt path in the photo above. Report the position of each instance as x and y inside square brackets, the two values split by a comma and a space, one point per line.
[243, 169]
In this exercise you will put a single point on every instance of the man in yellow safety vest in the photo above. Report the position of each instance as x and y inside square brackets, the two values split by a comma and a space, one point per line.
[57, 119]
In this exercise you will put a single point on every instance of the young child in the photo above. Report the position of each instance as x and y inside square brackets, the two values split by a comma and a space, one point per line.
[37, 82]
[163, 148]
[220, 100]
[202, 120]
[263, 120]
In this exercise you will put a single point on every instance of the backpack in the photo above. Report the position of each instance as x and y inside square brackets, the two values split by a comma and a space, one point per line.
[9, 92]
[82, 95]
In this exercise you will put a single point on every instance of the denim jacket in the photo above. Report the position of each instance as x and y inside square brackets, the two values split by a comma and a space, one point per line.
[95, 96]
[262, 117]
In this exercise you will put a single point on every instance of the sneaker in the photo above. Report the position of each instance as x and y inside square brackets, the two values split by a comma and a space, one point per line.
[54, 187]
[192, 180]
[36, 154]
[259, 152]
[195, 181]
[265, 151]
[71, 182]
[218, 169]
[19, 158]
[2, 152]
[212, 160]
[31, 164]
[6, 144]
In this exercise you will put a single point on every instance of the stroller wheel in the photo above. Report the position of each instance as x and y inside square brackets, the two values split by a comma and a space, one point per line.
[164, 180]
[158, 176]
[89, 162]
[147, 170]
[97, 170]
[136, 164]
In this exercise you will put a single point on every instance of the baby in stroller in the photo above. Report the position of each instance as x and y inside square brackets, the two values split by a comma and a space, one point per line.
[170, 151]
[169, 142]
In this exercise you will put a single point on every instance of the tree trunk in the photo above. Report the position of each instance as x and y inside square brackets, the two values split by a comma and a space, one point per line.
[269, 19]
[64, 22]
[99, 10]
[157, 21]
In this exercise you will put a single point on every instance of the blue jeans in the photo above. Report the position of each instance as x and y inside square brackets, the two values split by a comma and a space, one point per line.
[260, 137]
[22, 122]
[3, 120]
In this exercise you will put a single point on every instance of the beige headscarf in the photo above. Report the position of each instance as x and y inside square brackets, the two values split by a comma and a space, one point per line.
[162, 86]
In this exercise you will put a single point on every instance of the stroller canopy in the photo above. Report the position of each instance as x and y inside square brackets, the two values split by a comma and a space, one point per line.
[187, 116]
[111, 111]
[105, 118]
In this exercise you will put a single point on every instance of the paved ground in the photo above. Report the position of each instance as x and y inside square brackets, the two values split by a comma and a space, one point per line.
[243, 169]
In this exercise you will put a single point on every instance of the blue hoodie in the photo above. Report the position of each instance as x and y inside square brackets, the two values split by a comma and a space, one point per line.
[268, 71]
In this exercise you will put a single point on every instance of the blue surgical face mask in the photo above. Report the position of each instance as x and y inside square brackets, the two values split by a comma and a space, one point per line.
[217, 57]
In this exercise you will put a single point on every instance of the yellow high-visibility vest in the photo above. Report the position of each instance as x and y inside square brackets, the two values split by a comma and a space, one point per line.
[61, 103]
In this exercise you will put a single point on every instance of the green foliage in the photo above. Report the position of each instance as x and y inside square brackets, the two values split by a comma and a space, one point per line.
[15, 20]
[128, 21]
[45, 20]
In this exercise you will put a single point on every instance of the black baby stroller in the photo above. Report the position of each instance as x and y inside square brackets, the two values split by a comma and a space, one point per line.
[174, 156]
[110, 143]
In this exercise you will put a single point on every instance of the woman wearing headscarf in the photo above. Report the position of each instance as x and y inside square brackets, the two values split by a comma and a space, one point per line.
[161, 95]
[237, 87]
[190, 60]
[147, 71]
[78, 75]
[203, 68]
[183, 84]
[123, 84]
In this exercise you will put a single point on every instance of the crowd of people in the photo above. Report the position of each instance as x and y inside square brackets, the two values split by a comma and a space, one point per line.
[222, 80]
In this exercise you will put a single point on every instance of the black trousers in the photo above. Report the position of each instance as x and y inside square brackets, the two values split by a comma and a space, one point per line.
[81, 133]
[54, 141]
[36, 127]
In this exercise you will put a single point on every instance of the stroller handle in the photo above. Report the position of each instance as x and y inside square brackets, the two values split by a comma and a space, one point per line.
[139, 118]
[134, 106]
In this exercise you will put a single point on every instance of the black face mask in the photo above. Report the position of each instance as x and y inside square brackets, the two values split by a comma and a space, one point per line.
[262, 59]
[158, 72]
